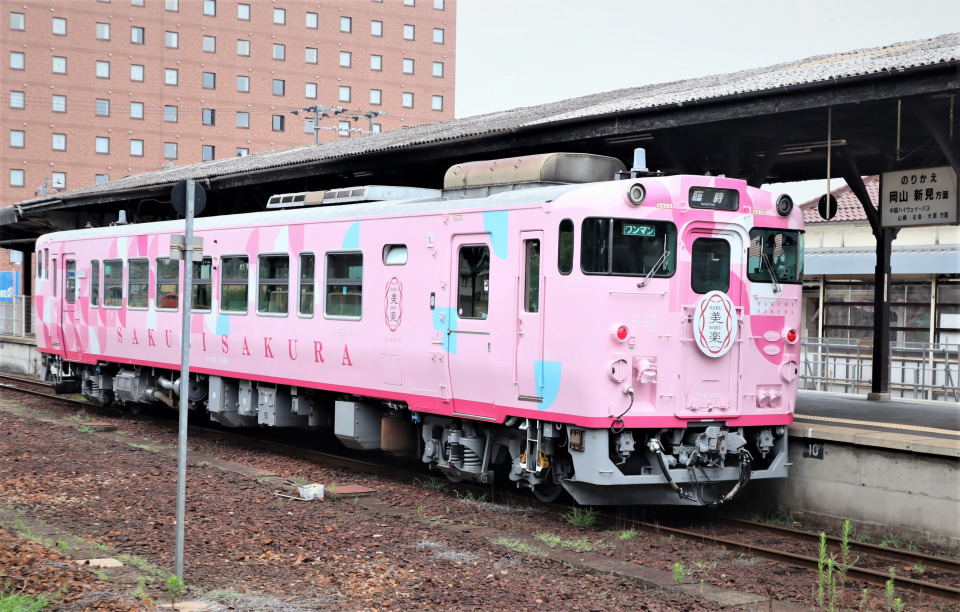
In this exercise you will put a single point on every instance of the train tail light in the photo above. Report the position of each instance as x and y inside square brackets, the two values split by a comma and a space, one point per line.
[620, 333]
[791, 336]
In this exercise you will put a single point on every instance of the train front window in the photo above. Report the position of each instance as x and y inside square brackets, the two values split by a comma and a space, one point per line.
[168, 284]
[274, 292]
[628, 247]
[710, 259]
[112, 283]
[775, 256]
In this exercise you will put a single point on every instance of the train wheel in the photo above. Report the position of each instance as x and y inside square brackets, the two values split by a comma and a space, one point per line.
[548, 491]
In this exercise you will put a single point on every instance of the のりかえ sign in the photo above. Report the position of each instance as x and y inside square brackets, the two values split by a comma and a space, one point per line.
[925, 196]
[715, 324]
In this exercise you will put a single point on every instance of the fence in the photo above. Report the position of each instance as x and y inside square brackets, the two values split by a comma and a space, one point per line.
[16, 317]
[917, 370]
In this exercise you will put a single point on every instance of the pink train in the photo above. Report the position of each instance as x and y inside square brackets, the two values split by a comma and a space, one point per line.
[630, 341]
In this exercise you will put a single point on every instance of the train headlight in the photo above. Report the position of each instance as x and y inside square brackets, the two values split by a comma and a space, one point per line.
[636, 194]
[784, 205]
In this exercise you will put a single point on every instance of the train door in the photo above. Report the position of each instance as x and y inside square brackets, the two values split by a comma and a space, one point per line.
[529, 340]
[469, 329]
[710, 376]
[69, 317]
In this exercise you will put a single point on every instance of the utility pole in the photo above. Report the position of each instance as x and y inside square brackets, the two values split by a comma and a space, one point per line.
[318, 114]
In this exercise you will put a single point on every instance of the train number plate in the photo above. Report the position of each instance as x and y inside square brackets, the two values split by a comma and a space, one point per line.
[576, 440]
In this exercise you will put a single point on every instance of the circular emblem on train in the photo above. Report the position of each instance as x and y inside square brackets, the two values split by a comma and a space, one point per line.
[393, 304]
[715, 324]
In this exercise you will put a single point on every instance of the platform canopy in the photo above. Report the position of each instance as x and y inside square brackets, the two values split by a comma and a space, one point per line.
[885, 108]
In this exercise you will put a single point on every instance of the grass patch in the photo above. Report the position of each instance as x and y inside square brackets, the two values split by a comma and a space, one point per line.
[20, 602]
[517, 546]
[581, 517]
[629, 534]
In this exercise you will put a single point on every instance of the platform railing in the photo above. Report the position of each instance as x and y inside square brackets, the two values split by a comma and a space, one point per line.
[918, 370]
[16, 317]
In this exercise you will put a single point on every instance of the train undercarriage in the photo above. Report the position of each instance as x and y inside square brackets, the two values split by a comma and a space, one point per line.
[702, 464]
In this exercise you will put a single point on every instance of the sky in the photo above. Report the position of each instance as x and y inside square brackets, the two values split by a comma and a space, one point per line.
[514, 53]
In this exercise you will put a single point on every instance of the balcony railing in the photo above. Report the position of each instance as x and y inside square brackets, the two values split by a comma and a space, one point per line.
[16, 317]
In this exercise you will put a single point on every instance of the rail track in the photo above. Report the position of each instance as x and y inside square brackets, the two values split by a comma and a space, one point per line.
[792, 547]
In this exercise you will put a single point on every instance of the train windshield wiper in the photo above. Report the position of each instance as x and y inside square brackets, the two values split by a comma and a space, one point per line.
[655, 268]
[773, 277]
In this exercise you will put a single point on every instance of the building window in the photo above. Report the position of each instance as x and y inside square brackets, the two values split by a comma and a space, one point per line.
[136, 72]
[278, 123]
[17, 60]
[311, 55]
[17, 21]
[167, 295]
[16, 100]
[16, 178]
[100, 179]
[344, 283]
[170, 114]
[170, 150]
[308, 125]
[17, 139]
[279, 16]
[346, 24]
[136, 35]
[170, 76]
[209, 116]
[138, 283]
[103, 31]
[438, 35]
[438, 4]
[243, 47]
[59, 26]
[203, 284]
[208, 153]
[173, 5]
[103, 107]
[313, 21]
[307, 276]
[408, 32]
[310, 91]
[376, 62]
[438, 69]
[210, 7]
[103, 70]
[375, 97]
[376, 28]
[209, 80]
[279, 87]
[345, 59]
[243, 12]
[408, 100]
[407, 66]
[273, 293]
[58, 180]
[171, 39]
[209, 44]
[136, 147]
[242, 151]
[344, 93]
[243, 119]
[59, 65]
[279, 52]
[103, 145]
[113, 283]
[343, 128]
[59, 142]
[234, 278]
[409, 2]
[136, 110]
[437, 103]
[243, 83]
[59, 103]
[136, 2]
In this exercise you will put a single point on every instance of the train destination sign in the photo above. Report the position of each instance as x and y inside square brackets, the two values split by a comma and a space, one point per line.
[924, 196]
[714, 198]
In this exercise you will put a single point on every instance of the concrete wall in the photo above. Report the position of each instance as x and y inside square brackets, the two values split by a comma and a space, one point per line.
[19, 357]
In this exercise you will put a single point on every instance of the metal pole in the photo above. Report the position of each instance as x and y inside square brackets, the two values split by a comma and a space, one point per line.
[316, 124]
[187, 297]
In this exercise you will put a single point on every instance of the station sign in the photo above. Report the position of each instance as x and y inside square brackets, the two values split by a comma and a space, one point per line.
[924, 196]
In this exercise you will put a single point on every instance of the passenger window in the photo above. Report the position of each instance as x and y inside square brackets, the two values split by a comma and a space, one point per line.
[473, 299]
[628, 247]
[565, 242]
[394, 254]
[307, 282]
[202, 284]
[775, 256]
[113, 283]
[531, 288]
[94, 283]
[233, 284]
[344, 285]
[71, 294]
[39, 264]
[710, 265]
[274, 292]
[168, 284]
[138, 283]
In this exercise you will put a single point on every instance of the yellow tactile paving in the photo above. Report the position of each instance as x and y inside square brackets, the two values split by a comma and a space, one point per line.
[950, 432]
